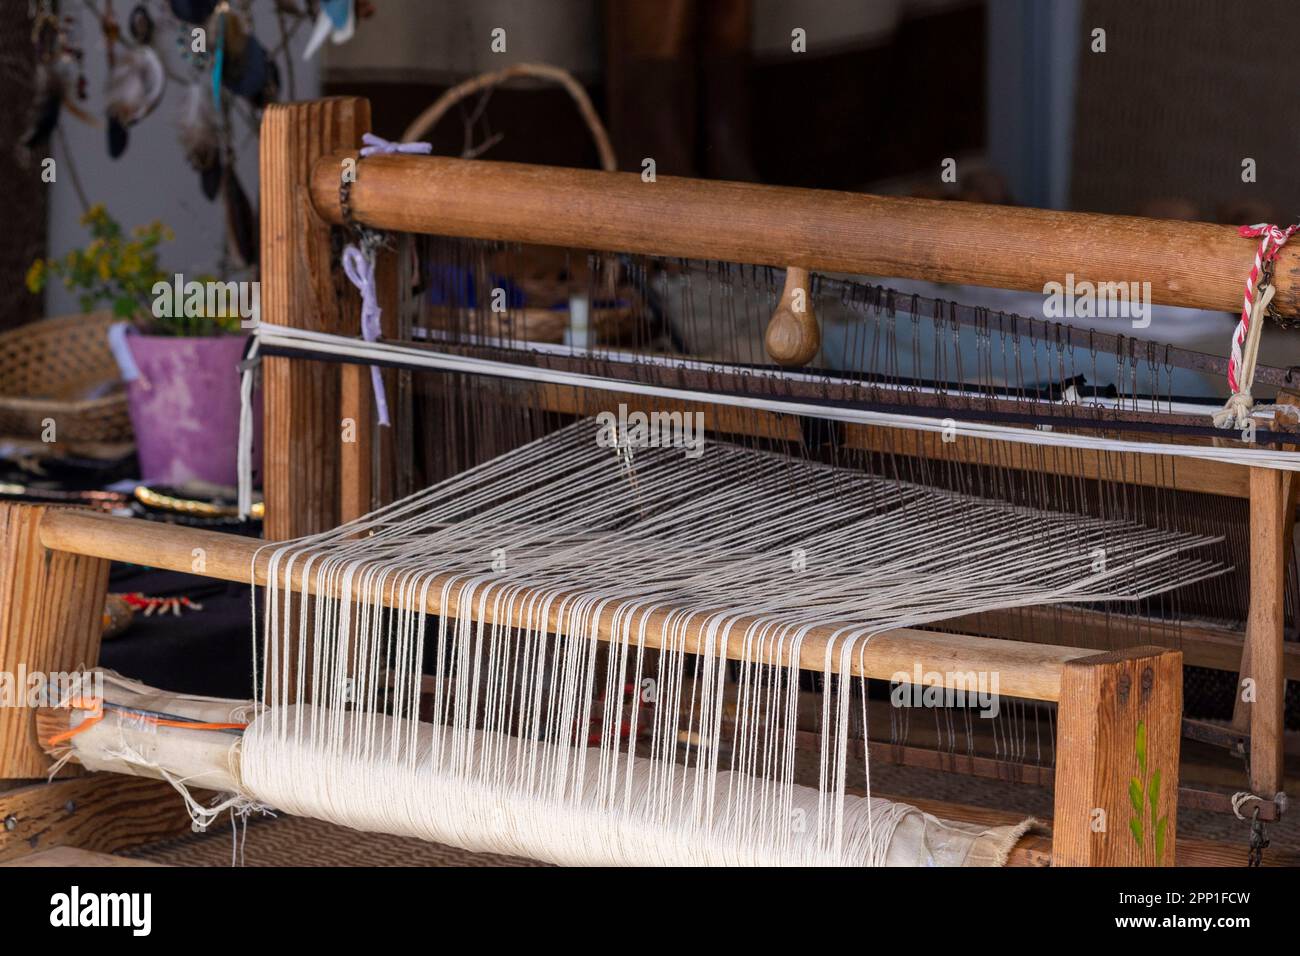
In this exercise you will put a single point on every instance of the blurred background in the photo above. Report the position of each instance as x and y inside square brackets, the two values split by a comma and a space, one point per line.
[1154, 116]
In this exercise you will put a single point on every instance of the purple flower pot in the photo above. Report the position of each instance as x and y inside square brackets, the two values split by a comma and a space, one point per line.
[185, 409]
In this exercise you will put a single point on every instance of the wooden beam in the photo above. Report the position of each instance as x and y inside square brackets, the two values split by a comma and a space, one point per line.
[67, 856]
[1023, 669]
[104, 813]
[1204, 644]
[301, 399]
[1158, 471]
[51, 619]
[1191, 264]
[1118, 735]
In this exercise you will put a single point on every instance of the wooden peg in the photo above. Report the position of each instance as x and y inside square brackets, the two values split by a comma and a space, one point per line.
[793, 336]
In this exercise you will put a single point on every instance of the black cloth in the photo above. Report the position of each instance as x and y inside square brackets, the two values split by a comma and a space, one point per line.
[205, 652]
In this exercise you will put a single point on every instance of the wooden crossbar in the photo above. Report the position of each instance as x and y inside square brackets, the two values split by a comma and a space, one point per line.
[1023, 669]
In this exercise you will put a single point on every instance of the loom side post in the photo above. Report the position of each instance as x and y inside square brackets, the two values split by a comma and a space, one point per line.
[1272, 517]
[1118, 736]
[303, 415]
[307, 440]
[51, 620]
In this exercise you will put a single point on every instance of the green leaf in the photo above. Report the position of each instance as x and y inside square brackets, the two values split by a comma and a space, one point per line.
[1135, 794]
[1153, 792]
[1141, 745]
[1160, 838]
[1135, 827]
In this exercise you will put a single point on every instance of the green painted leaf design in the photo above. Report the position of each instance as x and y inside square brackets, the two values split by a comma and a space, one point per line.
[1135, 827]
[1135, 794]
[1141, 746]
[1160, 838]
[1153, 792]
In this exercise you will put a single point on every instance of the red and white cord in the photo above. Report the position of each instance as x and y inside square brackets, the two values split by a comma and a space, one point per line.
[1272, 239]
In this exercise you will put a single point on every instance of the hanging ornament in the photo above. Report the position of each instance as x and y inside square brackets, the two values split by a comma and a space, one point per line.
[58, 74]
[193, 11]
[336, 20]
[218, 31]
[241, 223]
[136, 83]
[140, 25]
[200, 137]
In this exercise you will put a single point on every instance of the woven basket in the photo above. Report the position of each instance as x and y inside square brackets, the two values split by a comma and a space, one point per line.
[62, 369]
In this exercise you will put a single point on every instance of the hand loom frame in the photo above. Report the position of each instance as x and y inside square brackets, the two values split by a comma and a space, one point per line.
[56, 560]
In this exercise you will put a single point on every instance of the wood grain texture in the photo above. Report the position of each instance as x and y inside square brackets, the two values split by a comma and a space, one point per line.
[1193, 264]
[103, 813]
[1118, 727]
[51, 619]
[302, 289]
[1024, 669]
[65, 856]
[1264, 660]
[1035, 847]
[356, 412]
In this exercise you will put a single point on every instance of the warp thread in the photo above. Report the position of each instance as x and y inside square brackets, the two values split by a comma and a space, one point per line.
[493, 750]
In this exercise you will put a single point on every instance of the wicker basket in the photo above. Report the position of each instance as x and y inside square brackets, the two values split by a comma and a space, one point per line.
[62, 369]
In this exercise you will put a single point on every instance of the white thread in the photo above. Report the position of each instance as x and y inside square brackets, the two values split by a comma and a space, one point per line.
[324, 343]
[244, 460]
[524, 744]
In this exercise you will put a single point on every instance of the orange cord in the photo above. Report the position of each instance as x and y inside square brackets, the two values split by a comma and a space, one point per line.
[96, 707]
[189, 724]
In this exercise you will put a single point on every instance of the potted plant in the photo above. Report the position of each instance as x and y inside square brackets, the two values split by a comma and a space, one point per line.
[179, 354]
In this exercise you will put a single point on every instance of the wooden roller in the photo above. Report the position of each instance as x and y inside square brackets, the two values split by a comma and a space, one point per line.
[1193, 264]
[793, 336]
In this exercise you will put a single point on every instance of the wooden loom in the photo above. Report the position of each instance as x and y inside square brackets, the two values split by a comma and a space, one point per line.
[56, 560]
